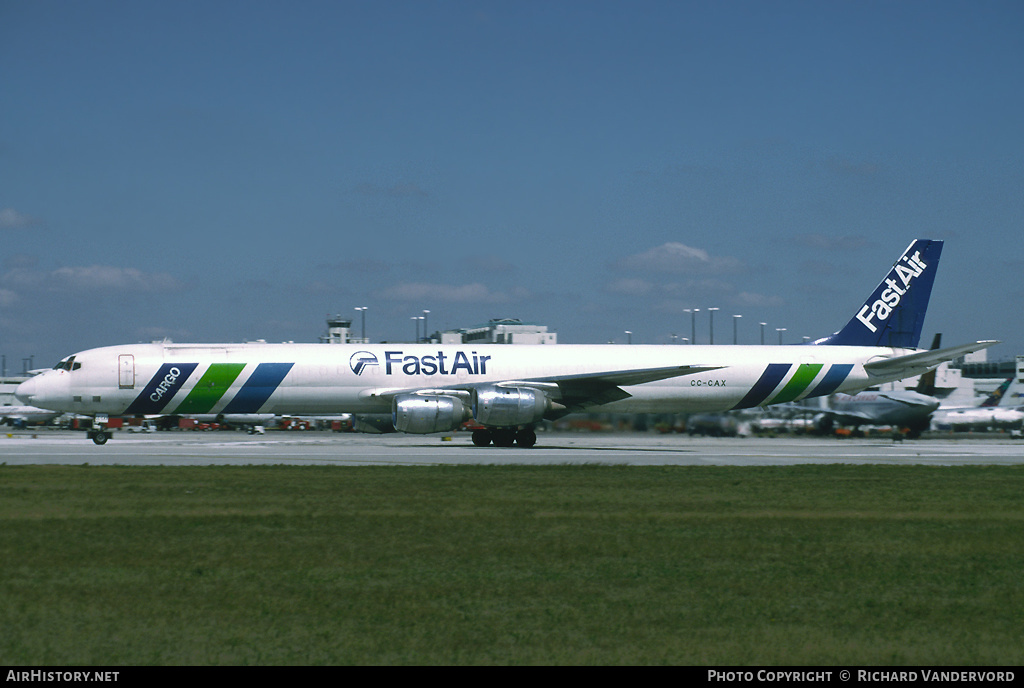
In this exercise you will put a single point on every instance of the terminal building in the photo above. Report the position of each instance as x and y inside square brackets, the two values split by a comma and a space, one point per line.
[501, 331]
[494, 331]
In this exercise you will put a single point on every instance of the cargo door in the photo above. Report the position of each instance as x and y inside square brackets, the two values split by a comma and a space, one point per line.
[126, 371]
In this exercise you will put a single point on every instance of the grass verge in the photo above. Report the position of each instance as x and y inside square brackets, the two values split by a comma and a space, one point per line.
[858, 565]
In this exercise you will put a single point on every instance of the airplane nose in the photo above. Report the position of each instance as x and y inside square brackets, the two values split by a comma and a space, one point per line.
[27, 391]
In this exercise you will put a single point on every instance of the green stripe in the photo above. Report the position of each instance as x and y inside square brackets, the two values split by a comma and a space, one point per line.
[210, 388]
[803, 377]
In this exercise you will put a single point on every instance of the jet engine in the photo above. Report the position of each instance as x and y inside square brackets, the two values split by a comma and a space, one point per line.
[509, 406]
[422, 413]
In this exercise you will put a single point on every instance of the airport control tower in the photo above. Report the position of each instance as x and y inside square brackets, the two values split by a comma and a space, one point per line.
[339, 330]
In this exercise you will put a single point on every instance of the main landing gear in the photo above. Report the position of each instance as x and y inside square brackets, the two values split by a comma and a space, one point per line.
[505, 437]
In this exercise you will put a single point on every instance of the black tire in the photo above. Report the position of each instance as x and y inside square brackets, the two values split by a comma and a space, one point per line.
[504, 437]
[481, 438]
[100, 437]
[526, 438]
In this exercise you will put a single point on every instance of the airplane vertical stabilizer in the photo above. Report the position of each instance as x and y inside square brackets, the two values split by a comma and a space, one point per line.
[894, 313]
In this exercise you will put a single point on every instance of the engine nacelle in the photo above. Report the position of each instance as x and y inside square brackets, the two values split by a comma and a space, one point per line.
[509, 406]
[422, 414]
[823, 423]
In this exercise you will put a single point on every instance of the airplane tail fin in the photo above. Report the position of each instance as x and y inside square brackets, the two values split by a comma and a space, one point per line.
[1015, 392]
[894, 313]
[996, 397]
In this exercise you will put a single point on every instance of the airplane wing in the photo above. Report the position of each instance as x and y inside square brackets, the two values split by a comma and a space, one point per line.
[923, 361]
[848, 417]
[592, 389]
[574, 391]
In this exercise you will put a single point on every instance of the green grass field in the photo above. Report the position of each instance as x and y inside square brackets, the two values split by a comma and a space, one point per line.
[871, 565]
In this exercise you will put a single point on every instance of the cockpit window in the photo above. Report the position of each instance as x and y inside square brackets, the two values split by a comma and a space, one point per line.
[68, 364]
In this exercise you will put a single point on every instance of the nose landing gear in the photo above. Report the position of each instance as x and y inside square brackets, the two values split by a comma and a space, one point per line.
[98, 436]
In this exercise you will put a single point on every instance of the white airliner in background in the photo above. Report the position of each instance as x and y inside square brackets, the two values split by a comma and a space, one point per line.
[1000, 409]
[431, 388]
[25, 415]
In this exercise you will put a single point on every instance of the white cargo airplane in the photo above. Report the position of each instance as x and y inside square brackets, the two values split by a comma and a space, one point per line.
[431, 388]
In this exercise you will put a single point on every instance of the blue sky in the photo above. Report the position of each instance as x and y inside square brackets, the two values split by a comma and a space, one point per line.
[223, 171]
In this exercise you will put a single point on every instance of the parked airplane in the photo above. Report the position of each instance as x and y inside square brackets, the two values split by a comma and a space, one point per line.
[20, 416]
[901, 409]
[993, 412]
[431, 388]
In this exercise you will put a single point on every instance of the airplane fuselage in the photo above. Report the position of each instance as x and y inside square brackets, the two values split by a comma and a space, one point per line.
[903, 408]
[145, 379]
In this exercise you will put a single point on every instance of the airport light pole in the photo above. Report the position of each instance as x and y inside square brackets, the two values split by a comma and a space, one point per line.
[762, 333]
[735, 319]
[712, 321]
[780, 330]
[629, 337]
[425, 314]
[362, 310]
[693, 324]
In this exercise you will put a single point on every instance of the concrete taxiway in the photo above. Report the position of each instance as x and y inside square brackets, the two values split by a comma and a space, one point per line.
[27, 447]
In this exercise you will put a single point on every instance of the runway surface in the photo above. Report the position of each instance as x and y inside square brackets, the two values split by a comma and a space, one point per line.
[27, 447]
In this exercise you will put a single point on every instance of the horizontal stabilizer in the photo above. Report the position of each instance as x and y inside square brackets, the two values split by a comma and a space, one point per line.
[922, 362]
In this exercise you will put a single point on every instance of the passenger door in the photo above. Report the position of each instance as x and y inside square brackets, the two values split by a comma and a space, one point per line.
[126, 371]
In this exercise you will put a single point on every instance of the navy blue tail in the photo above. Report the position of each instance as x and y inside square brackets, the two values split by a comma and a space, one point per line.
[894, 314]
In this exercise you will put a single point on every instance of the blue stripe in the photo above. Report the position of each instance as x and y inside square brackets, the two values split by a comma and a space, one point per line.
[164, 385]
[769, 380]
[257, 389]
[833, 378]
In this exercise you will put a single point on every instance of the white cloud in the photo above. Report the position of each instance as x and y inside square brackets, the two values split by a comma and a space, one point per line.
[12, 219]
[90, 278]
[106, 277]
[675, 257]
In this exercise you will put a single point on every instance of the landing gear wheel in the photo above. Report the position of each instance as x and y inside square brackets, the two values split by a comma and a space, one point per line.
[504, 437]
[526, 438]
[99, 436]
[481, 438]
